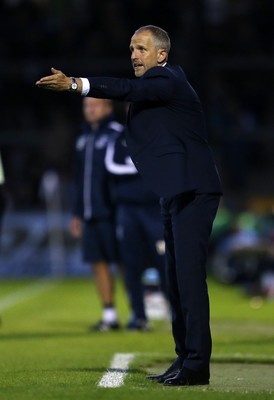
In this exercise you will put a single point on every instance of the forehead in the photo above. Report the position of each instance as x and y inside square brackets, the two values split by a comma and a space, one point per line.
[143, 37]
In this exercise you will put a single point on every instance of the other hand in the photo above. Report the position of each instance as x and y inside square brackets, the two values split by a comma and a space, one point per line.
[75, 227]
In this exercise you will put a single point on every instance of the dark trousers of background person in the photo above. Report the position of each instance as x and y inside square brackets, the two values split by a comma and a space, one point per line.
[188, 220]
[139, 232]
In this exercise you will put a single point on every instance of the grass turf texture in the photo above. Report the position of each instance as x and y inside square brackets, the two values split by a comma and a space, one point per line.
[46, 351]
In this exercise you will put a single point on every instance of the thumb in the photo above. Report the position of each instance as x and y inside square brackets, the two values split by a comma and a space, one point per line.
[55, 71]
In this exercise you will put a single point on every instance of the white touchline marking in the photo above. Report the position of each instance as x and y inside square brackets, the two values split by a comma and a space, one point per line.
[27, 292]
[117, 371]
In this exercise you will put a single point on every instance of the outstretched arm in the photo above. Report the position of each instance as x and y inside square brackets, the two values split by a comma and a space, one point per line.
[158, 84]
[58, 81]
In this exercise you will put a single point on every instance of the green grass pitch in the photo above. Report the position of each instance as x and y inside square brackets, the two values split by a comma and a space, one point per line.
[47, 353]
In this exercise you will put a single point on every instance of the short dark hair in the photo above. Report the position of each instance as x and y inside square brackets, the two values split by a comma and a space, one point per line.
[161, 38]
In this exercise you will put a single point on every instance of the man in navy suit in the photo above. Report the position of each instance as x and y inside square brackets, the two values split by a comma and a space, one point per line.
[168, 144]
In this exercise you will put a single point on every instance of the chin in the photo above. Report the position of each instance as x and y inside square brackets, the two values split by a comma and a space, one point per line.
[139, 74]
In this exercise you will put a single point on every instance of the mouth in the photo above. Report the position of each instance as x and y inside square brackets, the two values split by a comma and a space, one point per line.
[137, 65]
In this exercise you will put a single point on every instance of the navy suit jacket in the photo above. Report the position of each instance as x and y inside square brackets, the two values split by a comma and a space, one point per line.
[167, 139]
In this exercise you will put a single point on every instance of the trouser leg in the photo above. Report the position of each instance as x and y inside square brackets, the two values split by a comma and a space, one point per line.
[188, 221]
[131, 253]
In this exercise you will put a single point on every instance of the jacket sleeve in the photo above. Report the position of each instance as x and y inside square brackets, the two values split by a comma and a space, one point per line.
[116, 161]
[157, 84]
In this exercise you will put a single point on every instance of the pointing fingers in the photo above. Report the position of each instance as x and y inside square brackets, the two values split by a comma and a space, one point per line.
[58, 81]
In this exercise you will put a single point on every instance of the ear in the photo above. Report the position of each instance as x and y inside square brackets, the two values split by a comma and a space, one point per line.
[162, 56]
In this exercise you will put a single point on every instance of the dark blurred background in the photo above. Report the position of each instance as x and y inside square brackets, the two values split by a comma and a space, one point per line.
[226, 48]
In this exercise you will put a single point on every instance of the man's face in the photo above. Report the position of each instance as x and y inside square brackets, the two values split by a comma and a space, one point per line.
[96, 109]
[144, 54]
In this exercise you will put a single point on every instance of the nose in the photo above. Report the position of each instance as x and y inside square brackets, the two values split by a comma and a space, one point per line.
[133, 54]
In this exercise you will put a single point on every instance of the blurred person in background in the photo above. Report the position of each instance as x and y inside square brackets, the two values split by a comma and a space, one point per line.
[93, 218]
[138, 228]
[244, 255]
[2, 194]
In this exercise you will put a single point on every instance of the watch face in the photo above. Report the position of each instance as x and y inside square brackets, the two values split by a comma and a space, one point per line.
[74, 86]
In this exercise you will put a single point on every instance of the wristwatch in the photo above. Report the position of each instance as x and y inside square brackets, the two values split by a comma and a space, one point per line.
[73, 85]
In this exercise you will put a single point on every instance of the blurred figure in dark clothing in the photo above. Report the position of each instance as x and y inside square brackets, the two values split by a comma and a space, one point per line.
[2, 195]
[93, 218]
[139, 228]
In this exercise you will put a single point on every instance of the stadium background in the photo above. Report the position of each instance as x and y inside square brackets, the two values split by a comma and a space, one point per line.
[226, 48]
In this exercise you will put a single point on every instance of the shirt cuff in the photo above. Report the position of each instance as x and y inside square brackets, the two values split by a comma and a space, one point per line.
[85, 86]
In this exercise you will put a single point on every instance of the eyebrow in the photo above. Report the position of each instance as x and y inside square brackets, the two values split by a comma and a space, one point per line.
[138, 46]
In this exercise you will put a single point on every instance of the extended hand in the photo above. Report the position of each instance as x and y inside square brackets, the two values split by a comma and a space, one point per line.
[58, 81]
